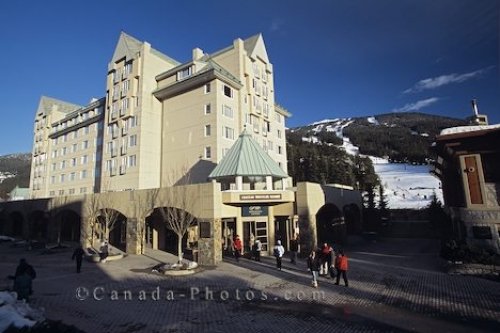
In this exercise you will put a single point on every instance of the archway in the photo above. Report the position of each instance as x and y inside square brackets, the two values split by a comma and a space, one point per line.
[352, 216]
[38, 225]
[67, 226]
[17, 224]
[159, 236]
[330, 226]
[115, 223]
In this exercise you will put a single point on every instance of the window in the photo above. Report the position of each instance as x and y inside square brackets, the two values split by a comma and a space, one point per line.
[71, 191]
[279, 134]
[83, 190]
[132, 161]
[73, 161]
[61, 192]
[63, 151]
[184, 73]
[208, 152]
[63, 164]
[52, 193]
[132, 140]
[53, 167]
[85, 144]
[228, 132]
[132, 122]
[63, 177]
[228, 91]
[86, 130]
[270, 145]
[128, 69]
[84, 159]
[72, 176]
[53, 179]
[227, 111]
[83, 174]
[208, 109]
[75, 134]
[124, 104]
[125, 86]
[208, 130]
[74, 148]
[207, 88]
[279, 150]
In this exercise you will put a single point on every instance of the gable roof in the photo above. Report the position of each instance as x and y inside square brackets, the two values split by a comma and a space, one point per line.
[255, 47]
[48, 104]
[247, 158]
[129, 46]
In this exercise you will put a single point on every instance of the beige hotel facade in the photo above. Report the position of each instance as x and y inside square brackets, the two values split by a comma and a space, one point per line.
[210, 125]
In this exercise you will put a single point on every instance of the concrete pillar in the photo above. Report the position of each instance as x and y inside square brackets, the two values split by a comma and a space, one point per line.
[239, 183]
[134, 235]
[271, 230]
[269, 183]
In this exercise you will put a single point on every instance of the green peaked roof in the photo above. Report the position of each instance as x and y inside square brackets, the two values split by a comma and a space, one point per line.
[247, 158]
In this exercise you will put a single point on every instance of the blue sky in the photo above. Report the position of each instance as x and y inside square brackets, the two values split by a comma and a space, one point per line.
[331, 59]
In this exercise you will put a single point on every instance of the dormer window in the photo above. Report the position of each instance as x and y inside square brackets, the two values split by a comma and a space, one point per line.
[184, 73]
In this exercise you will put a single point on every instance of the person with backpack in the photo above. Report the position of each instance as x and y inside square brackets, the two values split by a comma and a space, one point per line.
[278, 252]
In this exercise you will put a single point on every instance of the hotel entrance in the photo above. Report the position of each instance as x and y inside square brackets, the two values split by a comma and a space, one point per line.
[255, 227]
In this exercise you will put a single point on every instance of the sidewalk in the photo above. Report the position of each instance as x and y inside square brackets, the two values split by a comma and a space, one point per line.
[383, 296]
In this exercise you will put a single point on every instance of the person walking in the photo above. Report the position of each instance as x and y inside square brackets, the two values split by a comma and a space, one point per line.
[278, 252]
[23, 280]
[294, 248]
[78, 255]
[237, 247]
[342, 266]
[313, 266]
[258, 249]
[326, 259]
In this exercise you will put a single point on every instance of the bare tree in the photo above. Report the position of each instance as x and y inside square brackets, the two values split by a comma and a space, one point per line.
[92, 213]
[178, 203]
[108, 216]
[56, 206]
[145, 205]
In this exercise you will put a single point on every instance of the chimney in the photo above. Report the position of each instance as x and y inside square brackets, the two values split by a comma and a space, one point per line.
[197, 53]
[477, 119]
[474, 108]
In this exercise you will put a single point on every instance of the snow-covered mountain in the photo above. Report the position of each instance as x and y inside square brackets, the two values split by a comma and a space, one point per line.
[406, 185]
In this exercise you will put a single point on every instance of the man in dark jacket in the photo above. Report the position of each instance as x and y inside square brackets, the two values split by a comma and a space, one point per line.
[23, 280]
[78, 255]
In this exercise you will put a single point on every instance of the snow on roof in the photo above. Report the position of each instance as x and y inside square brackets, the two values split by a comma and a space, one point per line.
[467, 129]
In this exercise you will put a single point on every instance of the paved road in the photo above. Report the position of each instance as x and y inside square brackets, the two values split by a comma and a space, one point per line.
[395, 286]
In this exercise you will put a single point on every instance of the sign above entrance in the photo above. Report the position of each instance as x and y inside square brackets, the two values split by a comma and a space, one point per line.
[260, 197]
[254, 211]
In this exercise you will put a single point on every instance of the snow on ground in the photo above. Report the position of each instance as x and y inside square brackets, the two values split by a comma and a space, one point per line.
[16, 313]
[372, 120]
[406, 185]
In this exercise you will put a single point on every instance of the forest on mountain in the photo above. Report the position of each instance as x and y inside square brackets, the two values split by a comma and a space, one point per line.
[17, 165]
[401, 137]
[327, 164]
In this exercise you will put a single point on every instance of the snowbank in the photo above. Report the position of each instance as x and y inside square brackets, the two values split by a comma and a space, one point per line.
[17, 313]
